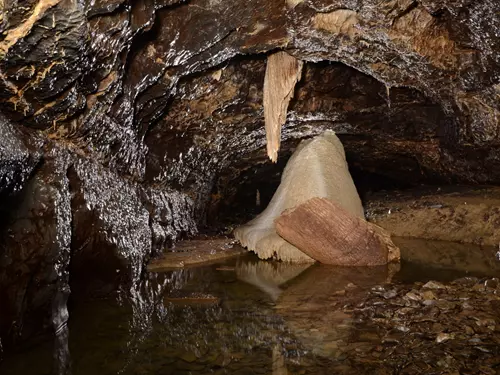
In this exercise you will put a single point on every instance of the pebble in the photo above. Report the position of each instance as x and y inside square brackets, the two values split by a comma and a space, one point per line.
[443, 337]
[413, 296]
[390, 294]
[428, 295]
[433, 285]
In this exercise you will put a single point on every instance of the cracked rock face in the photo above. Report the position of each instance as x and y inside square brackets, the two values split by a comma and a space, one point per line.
[134, 121]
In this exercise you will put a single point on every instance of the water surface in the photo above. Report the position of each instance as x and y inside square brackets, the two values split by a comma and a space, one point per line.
[246, 316]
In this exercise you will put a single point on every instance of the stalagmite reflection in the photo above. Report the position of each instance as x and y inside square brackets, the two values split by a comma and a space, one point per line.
[308, 297]
[269, 276]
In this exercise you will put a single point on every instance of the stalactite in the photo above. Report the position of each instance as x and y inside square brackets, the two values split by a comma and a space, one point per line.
[282, 73]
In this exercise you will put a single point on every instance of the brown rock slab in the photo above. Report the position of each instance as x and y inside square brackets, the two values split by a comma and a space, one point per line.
[328, 233]
[193, 253]
[192, 299]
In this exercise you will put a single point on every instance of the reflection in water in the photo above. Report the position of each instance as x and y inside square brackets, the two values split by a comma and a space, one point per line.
[311, 305]
[451, 257]
[144, 298]
[268, 276]
[62, 360]
[262, 318]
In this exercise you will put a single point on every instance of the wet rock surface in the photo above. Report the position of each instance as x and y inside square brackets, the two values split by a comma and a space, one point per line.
[105, 91]
[35, 254]
[17, 159]
[154, 110]
[195, 253]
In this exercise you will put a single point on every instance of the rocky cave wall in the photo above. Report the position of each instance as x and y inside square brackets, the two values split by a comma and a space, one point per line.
[124, 124]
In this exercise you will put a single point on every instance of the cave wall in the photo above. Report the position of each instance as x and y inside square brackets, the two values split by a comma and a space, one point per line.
[124, 123]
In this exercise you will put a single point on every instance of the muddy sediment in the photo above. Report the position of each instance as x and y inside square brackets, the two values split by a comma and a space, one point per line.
[449, 213]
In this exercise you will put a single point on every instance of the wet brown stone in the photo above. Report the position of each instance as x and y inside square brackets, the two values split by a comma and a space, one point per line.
[330, 234]
[191, 253]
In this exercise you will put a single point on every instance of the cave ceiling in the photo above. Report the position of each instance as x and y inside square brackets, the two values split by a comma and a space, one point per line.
[170, 92]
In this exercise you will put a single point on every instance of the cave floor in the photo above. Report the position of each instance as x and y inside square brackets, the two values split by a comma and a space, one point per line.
[247, 316]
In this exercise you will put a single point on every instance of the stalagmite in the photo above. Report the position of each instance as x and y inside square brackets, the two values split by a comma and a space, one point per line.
[282, 73]
[317, 168]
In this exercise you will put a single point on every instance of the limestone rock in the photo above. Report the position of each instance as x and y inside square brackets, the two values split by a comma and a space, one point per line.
[35, 254]
[165, 98]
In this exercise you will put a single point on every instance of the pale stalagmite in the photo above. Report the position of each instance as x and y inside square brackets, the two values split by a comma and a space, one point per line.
[317, 168]
[282, 73]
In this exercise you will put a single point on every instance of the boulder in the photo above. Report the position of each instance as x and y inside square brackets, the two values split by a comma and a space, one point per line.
[329, 234]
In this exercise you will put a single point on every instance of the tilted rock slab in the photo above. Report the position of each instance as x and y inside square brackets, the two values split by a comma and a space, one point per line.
[328, 233]
[317, 168]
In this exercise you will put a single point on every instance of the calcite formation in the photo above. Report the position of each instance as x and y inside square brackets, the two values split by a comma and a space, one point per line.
[282, 73]
[317, 168]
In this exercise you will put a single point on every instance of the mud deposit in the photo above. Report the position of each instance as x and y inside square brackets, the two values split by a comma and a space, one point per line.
[246, 316]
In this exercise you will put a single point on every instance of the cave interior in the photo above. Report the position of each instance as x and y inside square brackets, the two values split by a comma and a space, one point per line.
[127, 126]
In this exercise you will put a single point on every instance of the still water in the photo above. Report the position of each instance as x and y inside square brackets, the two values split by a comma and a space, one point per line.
[436, 314]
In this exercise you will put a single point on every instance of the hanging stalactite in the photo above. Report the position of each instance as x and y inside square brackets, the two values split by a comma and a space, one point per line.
[282, 73]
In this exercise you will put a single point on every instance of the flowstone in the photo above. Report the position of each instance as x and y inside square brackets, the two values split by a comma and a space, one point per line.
[318, 168]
